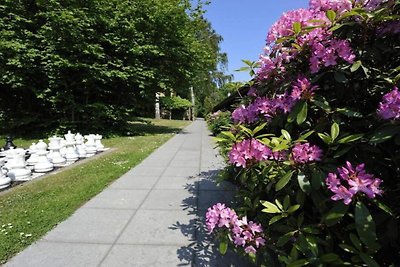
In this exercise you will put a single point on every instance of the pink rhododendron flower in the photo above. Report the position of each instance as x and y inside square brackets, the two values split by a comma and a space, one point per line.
[244, 114]
[389, 107]
[304, 153]
[338, 6]
[327, 53]
[263, 107]
[302, 89]
[284, 26]
[355, 180]
[244, 234]
[219, 216]
[248, 152]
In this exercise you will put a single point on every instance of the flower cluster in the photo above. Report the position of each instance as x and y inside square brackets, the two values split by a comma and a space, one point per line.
[325, 49]
[220, 216]
[243, 114]
[389, 107]
[265, 107]
[304, 153]
[284, 26]
[245, 234]
[248, 152]
[338, 6]
[355, 180]
[328, 52]
[302, 89]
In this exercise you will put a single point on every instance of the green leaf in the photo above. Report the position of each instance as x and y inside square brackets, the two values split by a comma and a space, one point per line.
[302, 115]
[229, 134]
[334, 131]
[246, 130]
[322, 104]
[286, 134]
[384, 134]
[335, 214]
[331, 15]
[298, 263]
[330, 258]
[275, 219]
[278, 204]
[223, 247]
[259, 128]
[284, 239]
[283, 181]
[293, 208]
[340, 77]
[349, 113]
[356, 242]
[270, 207]
[350, 138]
[365, 226]
[304, 136]
[383, 207]
[348, 248]
[297, 27]
[286, 202]
[336, 27]
[356, 65]
[304, 183]
[325, 137]
[296, 109]
[366, 71]
[341, 152]
[368, 260]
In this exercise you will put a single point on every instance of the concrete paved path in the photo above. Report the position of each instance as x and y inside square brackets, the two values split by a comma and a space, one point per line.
[151, 216]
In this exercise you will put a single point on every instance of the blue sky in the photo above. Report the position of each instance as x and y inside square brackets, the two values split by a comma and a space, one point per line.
[244, 26]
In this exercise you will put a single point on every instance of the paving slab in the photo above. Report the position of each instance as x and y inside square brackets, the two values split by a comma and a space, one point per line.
[118, 199]
[153, 215]
[172, 199]
[135, 182]
[176, 182]
[160, 227]
[145, 255]
[54, 254]
[91, 226]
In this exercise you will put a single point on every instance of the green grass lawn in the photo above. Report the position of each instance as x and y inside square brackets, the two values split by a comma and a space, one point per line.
[29, 211]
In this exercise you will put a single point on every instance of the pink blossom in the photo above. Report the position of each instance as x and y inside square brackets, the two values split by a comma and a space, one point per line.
[302, 89]
[355, 180]
[341, 192]
[338, 6]
[220, 216]
[389, 107]
[327, 53]
[248, 152]
[304, 153]
[244, 234]
[250, 249]
[244, 114]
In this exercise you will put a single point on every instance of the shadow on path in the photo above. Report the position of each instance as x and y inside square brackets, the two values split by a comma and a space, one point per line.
[203, 251]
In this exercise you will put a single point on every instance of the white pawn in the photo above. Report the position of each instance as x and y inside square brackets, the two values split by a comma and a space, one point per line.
[43, 164]
[32, 160]
[80, 146]
[91, 148]
[99, 145]
[70, 154]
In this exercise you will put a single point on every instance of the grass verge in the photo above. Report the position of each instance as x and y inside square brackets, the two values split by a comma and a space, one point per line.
[29, 211]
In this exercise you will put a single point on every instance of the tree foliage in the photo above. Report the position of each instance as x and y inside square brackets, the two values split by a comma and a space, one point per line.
[93, 64]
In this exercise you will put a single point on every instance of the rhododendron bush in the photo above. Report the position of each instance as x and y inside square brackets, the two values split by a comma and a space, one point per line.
[314, 147]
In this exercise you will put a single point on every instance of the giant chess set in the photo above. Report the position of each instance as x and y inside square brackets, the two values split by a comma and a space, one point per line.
[20, 165]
